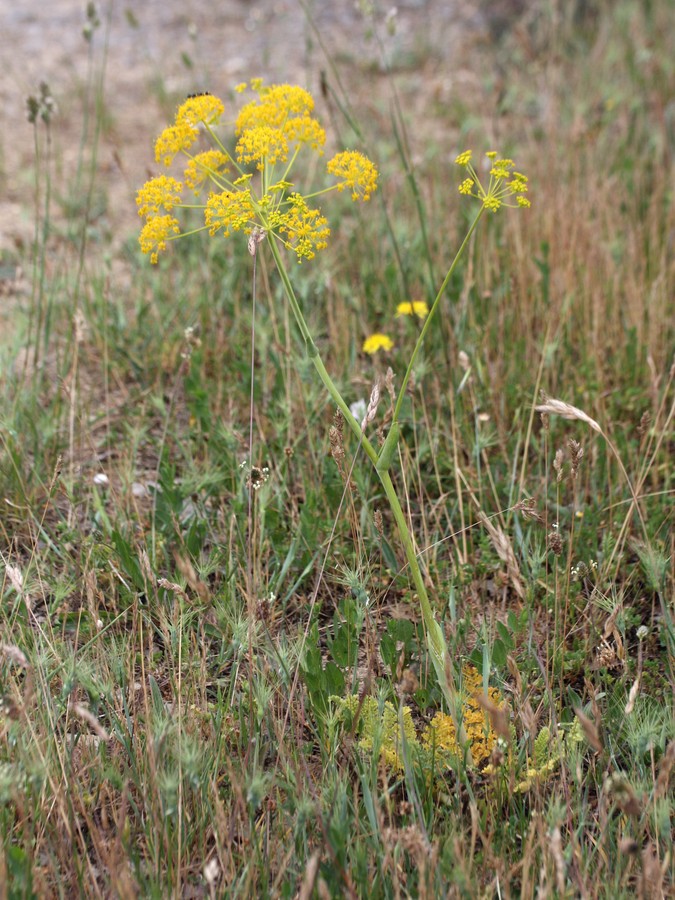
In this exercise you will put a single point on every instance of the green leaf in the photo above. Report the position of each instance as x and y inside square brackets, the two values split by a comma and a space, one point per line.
[505, 635]
[499, 653]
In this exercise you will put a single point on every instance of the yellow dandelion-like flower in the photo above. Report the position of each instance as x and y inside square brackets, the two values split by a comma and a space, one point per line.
[173, 140]
[263, 145]
[306, 229]
[464, 158]
[155, 233]
[204, 165]
[376, 342]
[162, 192]
[413, 308]
[229, 211]
[200, 108]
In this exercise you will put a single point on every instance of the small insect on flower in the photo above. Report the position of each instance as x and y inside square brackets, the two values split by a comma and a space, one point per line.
[199, 94]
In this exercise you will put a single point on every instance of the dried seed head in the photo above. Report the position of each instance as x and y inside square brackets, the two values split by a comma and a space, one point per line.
[558, 464]
[336, 438]
[379, 524]
[527, 507]
[576, 454]
[567, 411]
[605, 656]
[11, 651]
[645, 422]
[621, 791]
[555, 542]
[665, 768]
[389, 383]
[257, 477]
[590, 730]
[337, 448]
[373, 403]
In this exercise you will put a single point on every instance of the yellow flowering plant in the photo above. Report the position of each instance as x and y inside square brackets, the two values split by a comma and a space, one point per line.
[436, 746]
[250, 191]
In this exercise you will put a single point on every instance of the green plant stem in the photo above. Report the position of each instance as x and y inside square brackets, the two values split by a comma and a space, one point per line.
[435, 638]
[313, 354]
[432, 311]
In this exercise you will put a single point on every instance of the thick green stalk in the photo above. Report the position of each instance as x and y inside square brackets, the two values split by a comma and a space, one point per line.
[436, 640]
[313, 354]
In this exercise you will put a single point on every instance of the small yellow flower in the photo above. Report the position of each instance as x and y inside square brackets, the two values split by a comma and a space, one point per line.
[415, 308]
[286, 107]
[288, 100]
[162, 192]
[204, 165]
[306, 229]
[155, 233]
[504, 183]
[269, 130]
[466, 187]
[229, 210]
[306, 130]
[202, 108]
[262, 145]
[173, 140]
[357, 172]
[377, 342]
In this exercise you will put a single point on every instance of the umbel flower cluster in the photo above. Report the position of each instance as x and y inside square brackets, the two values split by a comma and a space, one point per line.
[249, 188]
[504, 186]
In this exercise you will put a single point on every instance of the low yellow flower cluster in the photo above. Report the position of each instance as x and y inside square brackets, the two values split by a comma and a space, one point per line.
[249, 188]
[383, 728]
[440, 733]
